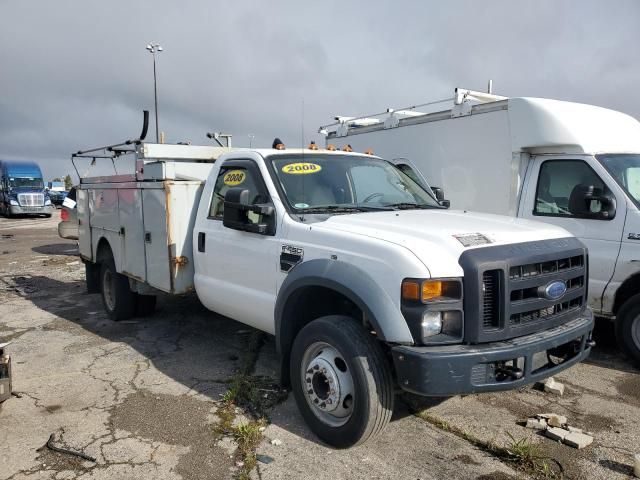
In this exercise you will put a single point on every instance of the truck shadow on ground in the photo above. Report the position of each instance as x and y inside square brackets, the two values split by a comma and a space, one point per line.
[68, 249]
[183, 340]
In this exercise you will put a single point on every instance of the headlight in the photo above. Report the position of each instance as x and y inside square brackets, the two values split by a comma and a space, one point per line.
[47, 202]
[433, 309]
[14, 202]
[427, 291]
[431, 324]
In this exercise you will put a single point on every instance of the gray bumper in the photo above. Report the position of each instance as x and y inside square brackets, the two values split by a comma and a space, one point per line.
[462, 369]
[19, 210]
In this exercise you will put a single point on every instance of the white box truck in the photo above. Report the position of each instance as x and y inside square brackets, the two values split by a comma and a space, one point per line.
[362, 297]
[567, 164]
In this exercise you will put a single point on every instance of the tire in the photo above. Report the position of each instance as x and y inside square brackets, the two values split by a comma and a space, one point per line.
[628, 327]
[145, 305]
[118, 300]
[337, 350]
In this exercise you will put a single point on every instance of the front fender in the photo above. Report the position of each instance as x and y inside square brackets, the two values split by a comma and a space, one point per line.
[352, 282]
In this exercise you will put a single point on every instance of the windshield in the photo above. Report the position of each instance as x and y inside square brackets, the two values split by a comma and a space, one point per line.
[25, 182]
[317, 183]
[625, 168]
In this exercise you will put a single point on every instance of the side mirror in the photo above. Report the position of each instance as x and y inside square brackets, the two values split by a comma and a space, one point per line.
[237, 209]
[584, 200]
[439, 193]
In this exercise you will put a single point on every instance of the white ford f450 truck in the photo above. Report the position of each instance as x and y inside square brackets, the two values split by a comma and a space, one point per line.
[365, 280]
[567, 164]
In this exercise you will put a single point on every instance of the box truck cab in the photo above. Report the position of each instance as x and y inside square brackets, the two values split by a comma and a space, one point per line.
[22, 190]
[572, 165]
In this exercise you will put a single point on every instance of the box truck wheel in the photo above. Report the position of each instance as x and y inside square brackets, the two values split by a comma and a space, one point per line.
[118, 300]
[341, 381]
[628, 327]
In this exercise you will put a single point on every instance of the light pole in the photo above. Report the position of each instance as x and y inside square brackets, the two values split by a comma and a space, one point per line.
[153, 49]
[251, 137]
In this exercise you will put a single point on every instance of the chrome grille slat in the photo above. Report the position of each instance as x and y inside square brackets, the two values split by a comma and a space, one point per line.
[31, 199]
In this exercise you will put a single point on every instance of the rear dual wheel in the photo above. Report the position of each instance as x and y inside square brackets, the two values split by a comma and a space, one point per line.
[119, 301]
[341, 381]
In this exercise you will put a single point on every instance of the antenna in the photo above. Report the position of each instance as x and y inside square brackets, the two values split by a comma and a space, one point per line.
[490, 86]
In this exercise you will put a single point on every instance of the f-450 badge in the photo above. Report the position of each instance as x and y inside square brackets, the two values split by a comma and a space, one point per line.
[290, 257]
[634, 236]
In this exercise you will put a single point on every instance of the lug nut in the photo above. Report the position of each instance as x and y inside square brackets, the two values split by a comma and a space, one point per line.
[315, 400]
[329, 401]
[323, 405]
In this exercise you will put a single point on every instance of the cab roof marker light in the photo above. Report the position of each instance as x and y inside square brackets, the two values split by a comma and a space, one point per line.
[347, 148]
[331, 148]
[368, 151]
[313, 146]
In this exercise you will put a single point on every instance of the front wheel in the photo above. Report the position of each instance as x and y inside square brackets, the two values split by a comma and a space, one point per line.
[341, 381]
[118, 300]
[628, 327]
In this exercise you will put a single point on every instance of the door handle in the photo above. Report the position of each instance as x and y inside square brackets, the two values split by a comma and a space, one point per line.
[201, 239]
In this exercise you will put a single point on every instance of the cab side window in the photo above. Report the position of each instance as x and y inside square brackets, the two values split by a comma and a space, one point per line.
[558, 180]
[242, 177]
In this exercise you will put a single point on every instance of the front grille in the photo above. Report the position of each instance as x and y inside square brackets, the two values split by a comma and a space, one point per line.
[511, 287]
[31, 199]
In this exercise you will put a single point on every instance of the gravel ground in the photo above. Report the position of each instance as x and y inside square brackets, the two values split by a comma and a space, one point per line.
[142, 396]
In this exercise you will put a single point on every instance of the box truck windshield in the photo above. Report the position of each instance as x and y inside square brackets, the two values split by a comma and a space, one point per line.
[625, 169]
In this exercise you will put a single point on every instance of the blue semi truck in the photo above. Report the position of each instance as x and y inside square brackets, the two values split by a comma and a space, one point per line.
[22, 190]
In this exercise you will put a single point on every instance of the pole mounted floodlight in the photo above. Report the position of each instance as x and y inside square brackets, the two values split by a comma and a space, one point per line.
[154, 48]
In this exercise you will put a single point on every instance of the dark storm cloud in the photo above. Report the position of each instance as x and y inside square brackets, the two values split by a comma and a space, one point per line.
[76, 74]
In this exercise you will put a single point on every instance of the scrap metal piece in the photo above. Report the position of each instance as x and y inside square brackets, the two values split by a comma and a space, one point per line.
[5, 374]
[51, 446]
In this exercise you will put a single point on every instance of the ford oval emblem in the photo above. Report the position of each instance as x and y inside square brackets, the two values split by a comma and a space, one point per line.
[555, 290]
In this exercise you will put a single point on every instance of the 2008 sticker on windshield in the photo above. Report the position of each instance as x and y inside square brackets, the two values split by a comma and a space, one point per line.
[234, 177]
[301, 168]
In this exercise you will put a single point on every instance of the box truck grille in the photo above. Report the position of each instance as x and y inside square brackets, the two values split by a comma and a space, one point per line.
[31, 199]
[506, 288]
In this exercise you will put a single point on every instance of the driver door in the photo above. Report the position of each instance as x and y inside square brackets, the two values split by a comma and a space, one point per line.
[240, 269]
[549, 189]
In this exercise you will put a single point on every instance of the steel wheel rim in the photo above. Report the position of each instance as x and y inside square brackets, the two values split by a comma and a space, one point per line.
[108, 289]
[327, 384]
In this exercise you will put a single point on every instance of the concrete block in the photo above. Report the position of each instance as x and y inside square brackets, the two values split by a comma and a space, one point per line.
[557, 420]
[551, 386]
[537, 424]
[577, 440]
[575, 430]
[558, 434]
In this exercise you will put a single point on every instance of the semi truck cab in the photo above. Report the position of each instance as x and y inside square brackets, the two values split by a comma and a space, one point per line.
[22, 190]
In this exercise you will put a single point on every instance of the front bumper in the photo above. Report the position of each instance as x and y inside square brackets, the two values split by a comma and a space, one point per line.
[20, 210]
[463, 369]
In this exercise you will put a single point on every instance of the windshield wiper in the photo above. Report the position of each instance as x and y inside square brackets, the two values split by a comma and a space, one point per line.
[407, 206]
[344, 209]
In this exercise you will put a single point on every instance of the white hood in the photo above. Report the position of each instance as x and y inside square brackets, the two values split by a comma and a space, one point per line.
[439, 237]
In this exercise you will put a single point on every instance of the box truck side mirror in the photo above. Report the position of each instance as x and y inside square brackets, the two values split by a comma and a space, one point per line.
[587, 201]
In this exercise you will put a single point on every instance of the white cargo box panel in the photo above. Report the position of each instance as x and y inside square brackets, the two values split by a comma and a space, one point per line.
[171, 170]
[149, 228]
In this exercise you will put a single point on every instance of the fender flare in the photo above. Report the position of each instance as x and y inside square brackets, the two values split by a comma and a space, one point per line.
[350, 281]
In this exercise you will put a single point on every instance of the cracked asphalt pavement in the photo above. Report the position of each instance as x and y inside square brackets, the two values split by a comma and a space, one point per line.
[141, 396]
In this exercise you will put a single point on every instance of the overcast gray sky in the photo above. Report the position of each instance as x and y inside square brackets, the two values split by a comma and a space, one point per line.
[75, 74]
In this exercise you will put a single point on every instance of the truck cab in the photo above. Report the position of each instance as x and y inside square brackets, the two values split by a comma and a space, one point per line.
[22, 190]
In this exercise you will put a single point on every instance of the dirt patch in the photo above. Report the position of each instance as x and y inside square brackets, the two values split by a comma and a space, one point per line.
[496, 476]
[629, 386]
[177, 421]
[516, 405]
[466, 459]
